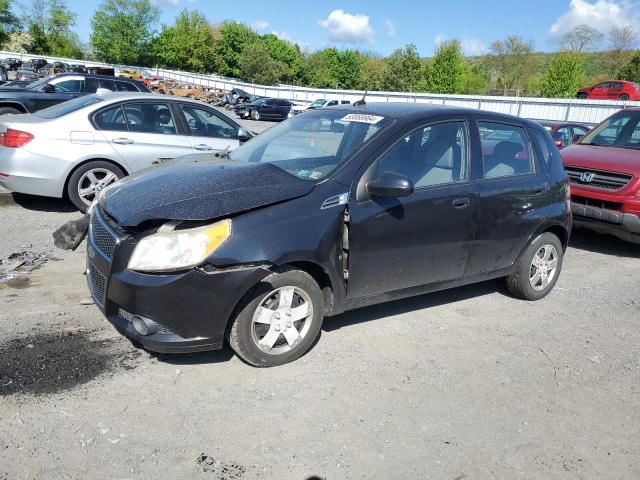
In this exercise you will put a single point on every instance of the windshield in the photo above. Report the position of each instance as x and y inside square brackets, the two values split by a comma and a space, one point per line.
[313, 145]
[36, 84]
[621, 130]
[68, 107]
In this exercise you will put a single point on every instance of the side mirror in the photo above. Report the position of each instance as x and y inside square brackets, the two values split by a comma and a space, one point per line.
[48, 88]
[390, 185]
[559, 143]
[244, 135]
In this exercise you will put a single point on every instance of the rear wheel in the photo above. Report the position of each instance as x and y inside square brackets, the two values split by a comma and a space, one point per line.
[86, 183]
[538, 268]
[9, 111]
[255, 115]
[624, 97]
[279, 320]
[581, 95]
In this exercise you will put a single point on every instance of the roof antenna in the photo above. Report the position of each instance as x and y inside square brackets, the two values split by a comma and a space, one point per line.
[362, 101]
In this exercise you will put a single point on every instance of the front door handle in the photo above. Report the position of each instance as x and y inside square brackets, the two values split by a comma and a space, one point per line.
[537, 191]
[461, 203]
[203, 147]
[123, 141]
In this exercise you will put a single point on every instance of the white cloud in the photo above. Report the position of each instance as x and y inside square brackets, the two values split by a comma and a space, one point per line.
[260, 24]
[344, 27]
[282, 35]
[390, 26]
[602, 15]
[173, 3]
[472, 46]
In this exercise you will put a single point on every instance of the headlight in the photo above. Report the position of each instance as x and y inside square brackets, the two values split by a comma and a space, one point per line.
[180, 249]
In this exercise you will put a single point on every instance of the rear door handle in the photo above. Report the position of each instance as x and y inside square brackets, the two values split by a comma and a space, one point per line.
[203, 147]
[537, 191]
[123, 141]
[461, 203]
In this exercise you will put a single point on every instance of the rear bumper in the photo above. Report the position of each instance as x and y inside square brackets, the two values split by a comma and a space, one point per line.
[30, 173]
[622, 225]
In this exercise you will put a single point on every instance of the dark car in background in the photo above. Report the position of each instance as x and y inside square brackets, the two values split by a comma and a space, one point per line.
[604, 168]
[565, 133]
[60, 88]
[37, 63]
[25, 73]
[611, 90]
[328, 211]
[12, 63]
[266, 109]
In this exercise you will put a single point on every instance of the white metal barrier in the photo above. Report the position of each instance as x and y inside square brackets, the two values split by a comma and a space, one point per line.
[574, 110]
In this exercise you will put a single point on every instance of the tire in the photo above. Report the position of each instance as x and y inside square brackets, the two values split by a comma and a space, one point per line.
[105, 173]
[521, 283]
[282, 341]
[624, 97]
[581, 96]
[255, 115]
[9, 111]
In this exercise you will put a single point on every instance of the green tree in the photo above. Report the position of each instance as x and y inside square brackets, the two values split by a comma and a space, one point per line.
[9, 23]
[582, 38]
[631, 70]
[512, 62]
[447, 72]
[374, 73]
[322, 69]
[348, 69]
[288, 55]
[50, 24]
[230, 40]
[186, 45]
[122, 31]
[258, 66]
[564, 76]
[476, 80]
[404, 69]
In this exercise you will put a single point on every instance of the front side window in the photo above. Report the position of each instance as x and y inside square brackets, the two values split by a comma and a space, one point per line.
[620, 130]
[313, 145]
[150, 118]
[205, 123]
[112, 119]
[505, 151]
[433, 155]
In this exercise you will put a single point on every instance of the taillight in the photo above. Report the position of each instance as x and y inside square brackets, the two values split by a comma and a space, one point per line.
[15, 138]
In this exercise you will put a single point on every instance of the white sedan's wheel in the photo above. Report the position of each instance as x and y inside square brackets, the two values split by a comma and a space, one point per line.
[86, 183]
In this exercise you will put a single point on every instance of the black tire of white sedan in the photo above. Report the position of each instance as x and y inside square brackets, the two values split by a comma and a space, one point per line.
[9, 111]
[86, 183]
[538, 268]
[279, 320]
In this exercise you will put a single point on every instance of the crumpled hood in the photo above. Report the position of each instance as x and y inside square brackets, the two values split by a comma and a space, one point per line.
[199, 187]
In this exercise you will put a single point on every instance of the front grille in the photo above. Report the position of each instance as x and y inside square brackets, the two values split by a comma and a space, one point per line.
[97, 285]
[128, 316]
[594, 202]
[101, 236]
[602, 180]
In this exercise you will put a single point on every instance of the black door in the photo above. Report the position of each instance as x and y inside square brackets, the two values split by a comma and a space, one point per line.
[57, 91]
[513, 197]
[268, 109]
[397, 243]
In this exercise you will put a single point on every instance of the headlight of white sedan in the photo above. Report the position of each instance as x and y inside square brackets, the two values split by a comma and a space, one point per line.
[180, 249]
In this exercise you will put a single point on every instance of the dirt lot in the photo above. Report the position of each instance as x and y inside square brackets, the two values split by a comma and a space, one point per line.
[469, 383]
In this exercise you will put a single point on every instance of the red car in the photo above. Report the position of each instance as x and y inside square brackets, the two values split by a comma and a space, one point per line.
[611, 90]
[604, 171]
[565, 133]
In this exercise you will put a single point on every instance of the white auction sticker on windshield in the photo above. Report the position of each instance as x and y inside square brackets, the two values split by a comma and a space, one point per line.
[361, 117]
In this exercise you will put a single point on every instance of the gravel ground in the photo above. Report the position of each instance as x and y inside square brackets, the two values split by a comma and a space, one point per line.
[468, 383]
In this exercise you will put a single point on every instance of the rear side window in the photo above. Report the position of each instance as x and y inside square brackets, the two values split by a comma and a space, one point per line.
[93, 84]
[125, 86]
[112, 119]
[542, 142]
[505, 150]
[150, 118]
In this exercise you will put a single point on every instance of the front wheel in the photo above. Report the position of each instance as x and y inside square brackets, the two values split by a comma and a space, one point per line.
[538, 268]
[86, 183]
[279, 320]
[255, 115]
[581, 95]
[624, 97]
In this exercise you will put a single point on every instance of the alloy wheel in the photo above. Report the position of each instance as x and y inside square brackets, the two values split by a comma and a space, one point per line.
[92, 182]
[282, 319]
[543, 267]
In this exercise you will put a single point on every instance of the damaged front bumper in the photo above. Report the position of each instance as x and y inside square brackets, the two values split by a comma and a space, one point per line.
[185, 311]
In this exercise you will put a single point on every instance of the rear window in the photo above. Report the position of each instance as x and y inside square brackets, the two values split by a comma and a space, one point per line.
[71, 106]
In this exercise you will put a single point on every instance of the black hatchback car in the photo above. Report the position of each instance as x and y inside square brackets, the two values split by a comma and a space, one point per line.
[329, 211]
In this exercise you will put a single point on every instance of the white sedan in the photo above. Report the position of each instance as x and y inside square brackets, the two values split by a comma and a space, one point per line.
[77, 148]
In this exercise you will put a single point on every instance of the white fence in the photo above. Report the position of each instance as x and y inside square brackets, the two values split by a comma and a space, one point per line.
[573, 110]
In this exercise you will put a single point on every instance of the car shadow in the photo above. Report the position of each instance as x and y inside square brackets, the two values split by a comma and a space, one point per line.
[196, 358]
[43, 204]
[428, 300]
[584, 239]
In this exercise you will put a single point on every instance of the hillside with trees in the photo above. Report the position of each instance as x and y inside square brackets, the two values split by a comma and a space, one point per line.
[127, 32]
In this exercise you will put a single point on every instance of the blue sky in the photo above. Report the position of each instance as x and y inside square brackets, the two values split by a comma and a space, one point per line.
[382, 26]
